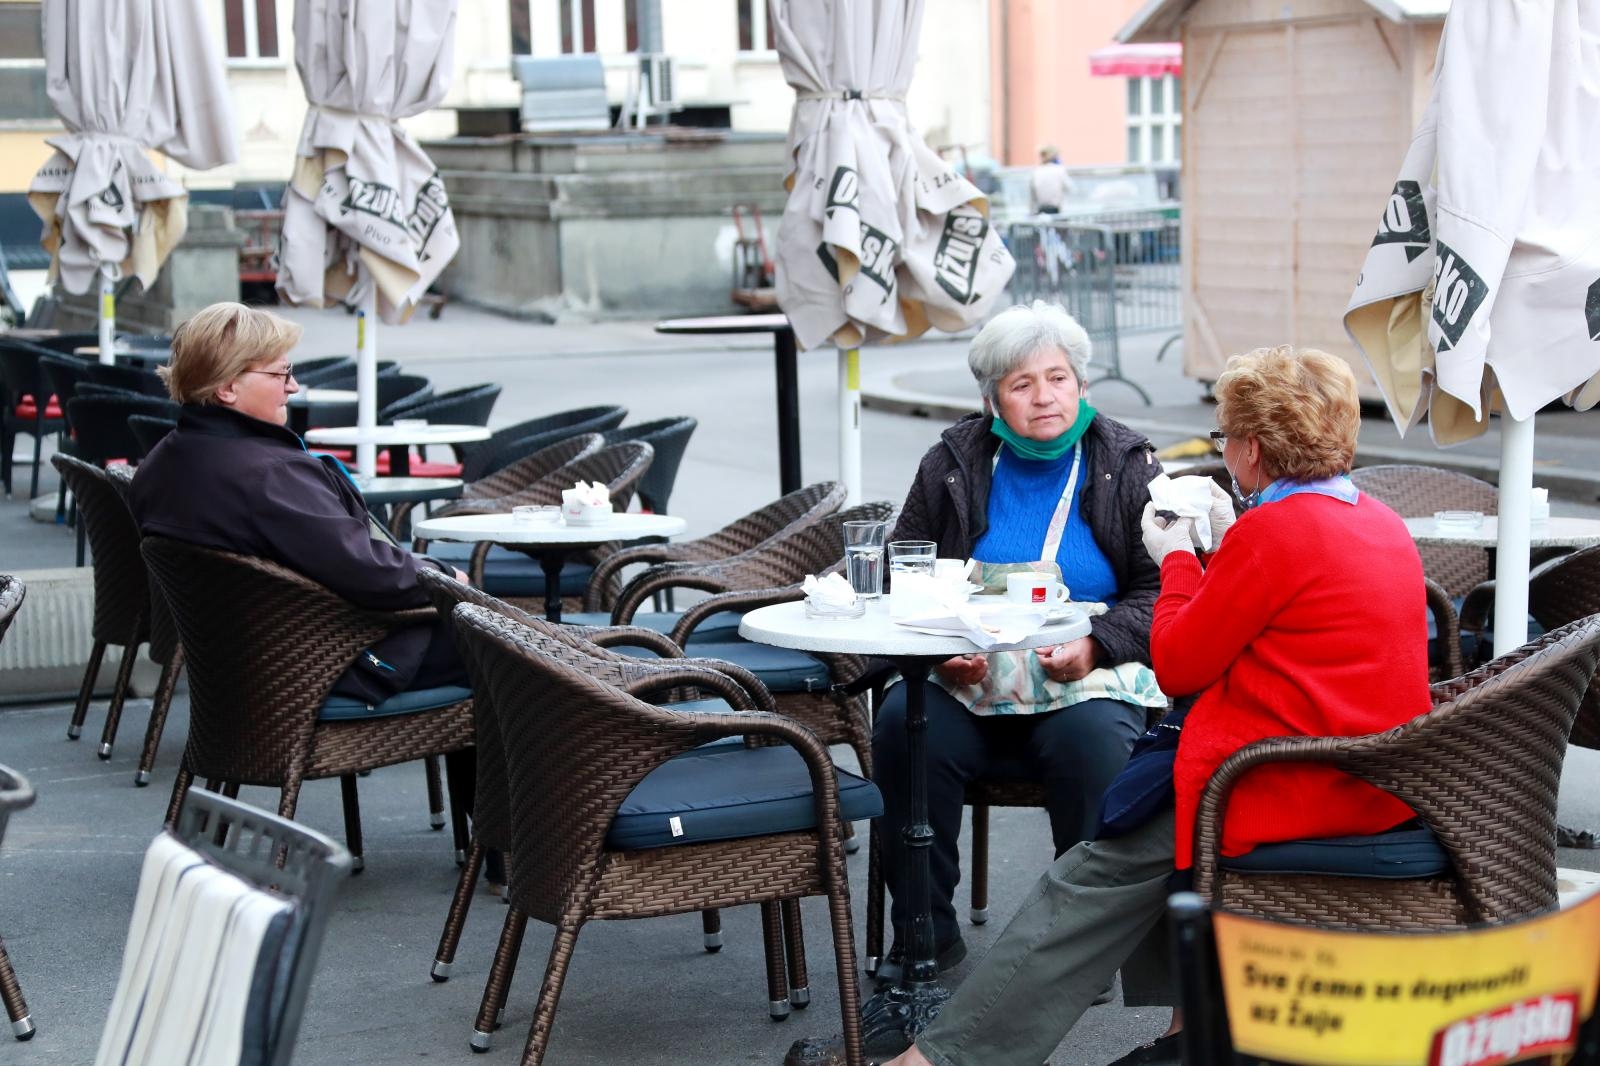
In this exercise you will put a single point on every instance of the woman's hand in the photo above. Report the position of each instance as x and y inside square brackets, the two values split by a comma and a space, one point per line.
[461, 576]
[964, 670]
[1221, 515]
[1162, 537]
[1071, 661]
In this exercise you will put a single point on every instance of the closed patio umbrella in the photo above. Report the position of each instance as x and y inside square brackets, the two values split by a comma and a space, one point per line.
[126, 77]
[880, 239]
[366, 218]
[1481, 291]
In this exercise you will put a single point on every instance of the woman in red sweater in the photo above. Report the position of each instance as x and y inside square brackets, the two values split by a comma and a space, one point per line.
[1307, 620]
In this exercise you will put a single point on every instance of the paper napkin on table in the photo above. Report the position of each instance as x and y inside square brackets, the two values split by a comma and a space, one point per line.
[987, 625]
[1187, 497]
[588, 493]
[830, 591]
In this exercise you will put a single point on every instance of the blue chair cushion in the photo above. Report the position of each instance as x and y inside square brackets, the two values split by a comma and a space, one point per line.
[782, 670]
[338, 708]
[509, 573]
[722, 626]
[722, 792]
[1398, 855]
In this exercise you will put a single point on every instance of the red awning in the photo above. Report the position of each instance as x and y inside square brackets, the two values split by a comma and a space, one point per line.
[1137, 60]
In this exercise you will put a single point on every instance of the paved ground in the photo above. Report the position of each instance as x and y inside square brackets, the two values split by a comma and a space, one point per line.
[641, 991]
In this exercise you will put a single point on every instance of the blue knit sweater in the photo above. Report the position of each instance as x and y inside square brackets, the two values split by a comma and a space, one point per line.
[1021, 501]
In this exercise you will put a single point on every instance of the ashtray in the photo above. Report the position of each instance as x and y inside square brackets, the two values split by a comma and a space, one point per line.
[1463, 521]
[827, 610]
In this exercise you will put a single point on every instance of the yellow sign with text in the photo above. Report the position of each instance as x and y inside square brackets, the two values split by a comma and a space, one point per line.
[1482, 997]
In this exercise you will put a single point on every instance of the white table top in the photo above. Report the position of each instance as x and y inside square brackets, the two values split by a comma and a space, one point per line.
[387, 435]
[786, 626]
[316, 395]
[1551, 533]
[503, 528]
[421, 487]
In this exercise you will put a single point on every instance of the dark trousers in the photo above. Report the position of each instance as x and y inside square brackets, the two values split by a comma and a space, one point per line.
[1074, 751]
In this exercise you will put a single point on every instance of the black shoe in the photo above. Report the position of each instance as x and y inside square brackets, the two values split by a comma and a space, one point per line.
[1162, 1051]
[946, 957]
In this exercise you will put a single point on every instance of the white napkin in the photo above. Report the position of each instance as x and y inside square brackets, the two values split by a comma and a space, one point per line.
[988, 625]
[587, 493]
[1187, 497]
[830, 591]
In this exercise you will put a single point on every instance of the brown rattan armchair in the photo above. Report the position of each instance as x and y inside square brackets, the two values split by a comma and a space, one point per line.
[1481, 770]
[1417, 492]
[784, 516]
[264, 648]
[657, 680]
[14, 795]
[122, 605]
[518, 477]
[576, 749]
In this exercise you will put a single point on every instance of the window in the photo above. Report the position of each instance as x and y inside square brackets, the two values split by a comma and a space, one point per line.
[754, 25]
[20, 31]
[521, 27]
[1155, 119]
[252, 28]
[22, 78]
[577, 26]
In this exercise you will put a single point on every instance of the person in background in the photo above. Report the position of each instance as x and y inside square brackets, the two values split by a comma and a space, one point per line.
[1039, 482]
[1281, 634]
[1050, 185]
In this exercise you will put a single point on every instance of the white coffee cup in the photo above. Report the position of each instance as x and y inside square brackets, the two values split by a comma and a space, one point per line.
[1035, 589]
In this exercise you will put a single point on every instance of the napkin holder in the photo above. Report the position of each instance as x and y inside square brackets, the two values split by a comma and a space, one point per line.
[580, 511]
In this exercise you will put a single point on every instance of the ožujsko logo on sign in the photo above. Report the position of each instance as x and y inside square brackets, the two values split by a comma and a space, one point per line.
[956, 258]
[1457, 293]
[1518, 1031]
[1405, 220]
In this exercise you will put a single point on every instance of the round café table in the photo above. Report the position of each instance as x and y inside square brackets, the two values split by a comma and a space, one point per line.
[892, 1018]
[550, 541]
[387, 490]
[1550, 533]
[783, 350]
[398, 439]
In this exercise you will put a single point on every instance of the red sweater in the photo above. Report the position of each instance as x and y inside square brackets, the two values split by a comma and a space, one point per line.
[1310, 620]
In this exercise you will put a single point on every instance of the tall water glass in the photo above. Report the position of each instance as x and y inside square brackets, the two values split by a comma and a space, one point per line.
[912, 557]
[863, 557]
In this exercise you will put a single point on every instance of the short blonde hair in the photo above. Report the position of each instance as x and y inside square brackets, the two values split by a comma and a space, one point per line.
[218, 344]
[1300, 406]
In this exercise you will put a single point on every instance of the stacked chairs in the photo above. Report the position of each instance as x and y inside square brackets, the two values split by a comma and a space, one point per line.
[264, 647]
[122, 603]
[511, 443]
[576, 749]
[27, 405]
[670, 439]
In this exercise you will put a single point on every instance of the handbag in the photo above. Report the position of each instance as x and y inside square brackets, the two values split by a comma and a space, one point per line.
[1144, 787]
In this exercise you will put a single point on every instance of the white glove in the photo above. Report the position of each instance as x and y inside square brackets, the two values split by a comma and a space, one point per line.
[1161, 537]
[1222, 515]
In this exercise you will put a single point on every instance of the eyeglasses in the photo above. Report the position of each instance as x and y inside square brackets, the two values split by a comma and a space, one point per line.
[285, 374]
[1219, 438]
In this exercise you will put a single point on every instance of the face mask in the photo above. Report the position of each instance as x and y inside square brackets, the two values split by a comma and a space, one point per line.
[1246, 501]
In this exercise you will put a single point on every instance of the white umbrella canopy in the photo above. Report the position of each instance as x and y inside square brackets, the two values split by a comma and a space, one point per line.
[126, 77]
[365, 205]
[880, 238]
[1481, 291]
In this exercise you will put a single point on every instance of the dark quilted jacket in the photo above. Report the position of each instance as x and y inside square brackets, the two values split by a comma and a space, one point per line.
[949, 504]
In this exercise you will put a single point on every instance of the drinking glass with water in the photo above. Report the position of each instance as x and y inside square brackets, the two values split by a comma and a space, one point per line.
[912, 557]
[863, 557]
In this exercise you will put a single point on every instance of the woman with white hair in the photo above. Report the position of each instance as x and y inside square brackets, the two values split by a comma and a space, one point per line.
[1039, 481]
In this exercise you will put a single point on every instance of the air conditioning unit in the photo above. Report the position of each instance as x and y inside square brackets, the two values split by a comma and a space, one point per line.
[658, 84]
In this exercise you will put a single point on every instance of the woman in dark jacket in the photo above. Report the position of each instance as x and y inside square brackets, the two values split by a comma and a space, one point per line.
[1040, 481]
[232, 477]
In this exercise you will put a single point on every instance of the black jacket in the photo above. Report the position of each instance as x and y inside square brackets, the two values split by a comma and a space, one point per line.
[949, 504]
[226, 480]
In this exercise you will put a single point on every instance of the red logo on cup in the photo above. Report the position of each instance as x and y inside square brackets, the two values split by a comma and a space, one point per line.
[1038, 593]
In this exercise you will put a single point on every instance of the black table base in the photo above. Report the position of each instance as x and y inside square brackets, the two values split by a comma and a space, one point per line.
[896, 1015]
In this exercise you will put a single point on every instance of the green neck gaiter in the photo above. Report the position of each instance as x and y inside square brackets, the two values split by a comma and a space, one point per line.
[1045, 449]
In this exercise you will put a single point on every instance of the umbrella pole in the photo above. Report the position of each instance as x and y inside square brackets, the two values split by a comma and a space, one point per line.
[108, 315]
[850, 424]
[1511, 564]
[367, 385]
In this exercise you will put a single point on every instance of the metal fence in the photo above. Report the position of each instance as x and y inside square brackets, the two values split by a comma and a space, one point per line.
[1117, 273]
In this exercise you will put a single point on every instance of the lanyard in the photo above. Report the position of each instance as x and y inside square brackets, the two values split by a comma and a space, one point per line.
[1058, 521]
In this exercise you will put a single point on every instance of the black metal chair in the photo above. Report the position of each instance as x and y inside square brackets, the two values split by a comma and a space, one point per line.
[512, 443]
[144, 382]
[470, 406]
[100, 431]
[670, 438]
[67, 343]
[27, 405]
[319, 372]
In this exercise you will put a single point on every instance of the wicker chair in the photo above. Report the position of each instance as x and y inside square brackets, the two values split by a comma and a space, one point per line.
[670, 438]
[121, 597]
[585, 648]
[14, 796]
[784, 516]
[575, 752]
[264, 647]
[1417, 492]
[1481, 770]
[511, 443]
[149, 431]
[518, 477]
